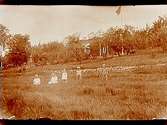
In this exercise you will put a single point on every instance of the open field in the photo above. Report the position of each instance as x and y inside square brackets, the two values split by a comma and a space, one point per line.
[137, 94]
[83, 62]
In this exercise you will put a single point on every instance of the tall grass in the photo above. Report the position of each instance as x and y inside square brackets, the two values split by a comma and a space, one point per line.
[140, 94]
[85, 101]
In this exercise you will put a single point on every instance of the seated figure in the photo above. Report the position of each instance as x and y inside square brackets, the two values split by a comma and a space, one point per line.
[54, 79]
[36, 80]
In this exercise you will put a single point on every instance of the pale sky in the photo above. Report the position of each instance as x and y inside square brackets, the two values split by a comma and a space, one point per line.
[51, 23]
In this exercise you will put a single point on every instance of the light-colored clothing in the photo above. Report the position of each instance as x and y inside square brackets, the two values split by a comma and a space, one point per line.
[104, 73]
[53, 80]
[64, 76]
[36, 81]
[99, 70]
[79, 74]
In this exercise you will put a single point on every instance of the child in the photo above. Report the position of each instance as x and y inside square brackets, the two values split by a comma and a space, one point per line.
[104, 72]
[36, 80]
[64, 75]
[78, 73]
[54, 79]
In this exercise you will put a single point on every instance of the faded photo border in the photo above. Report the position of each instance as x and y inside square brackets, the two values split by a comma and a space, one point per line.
[1, 85]
[83, 2]
[59, 122]
[78, 2]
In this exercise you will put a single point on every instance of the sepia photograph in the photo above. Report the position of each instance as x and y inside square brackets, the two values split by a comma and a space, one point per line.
[80, 62]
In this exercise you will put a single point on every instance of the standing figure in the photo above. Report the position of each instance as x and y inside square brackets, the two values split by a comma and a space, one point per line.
[54, 78]
[78, 73]
[104, 72]
[36, 80]
[64, 75]
[99, 72]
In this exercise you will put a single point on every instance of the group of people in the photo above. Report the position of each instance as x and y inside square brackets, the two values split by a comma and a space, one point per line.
[54, 77]
[102, 71]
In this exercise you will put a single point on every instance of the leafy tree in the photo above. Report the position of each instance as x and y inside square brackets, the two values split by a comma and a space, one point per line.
[19, 50]
[75, 48]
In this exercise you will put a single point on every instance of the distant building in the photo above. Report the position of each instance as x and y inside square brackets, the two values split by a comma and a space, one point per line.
[103, 51]
[4, 51]
[86, 45]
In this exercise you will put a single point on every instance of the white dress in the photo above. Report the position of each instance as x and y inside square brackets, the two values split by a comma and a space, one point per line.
[79, 72]
[36, 81]
[64, 76]
[53, 80]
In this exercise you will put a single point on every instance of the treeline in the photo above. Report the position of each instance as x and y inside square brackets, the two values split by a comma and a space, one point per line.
[115, 41]
[59, 52]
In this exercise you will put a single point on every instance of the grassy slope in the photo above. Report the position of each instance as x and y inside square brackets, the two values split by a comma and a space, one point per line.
[128, 95]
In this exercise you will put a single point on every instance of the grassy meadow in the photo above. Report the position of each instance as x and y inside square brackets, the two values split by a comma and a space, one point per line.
[138, 94]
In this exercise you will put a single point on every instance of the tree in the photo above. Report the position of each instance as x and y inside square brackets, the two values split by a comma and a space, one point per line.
[159, 33]
[4, 37]
[75, 48]
[55, 52]
[19, 50]
[95, 47]
[3, 34]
